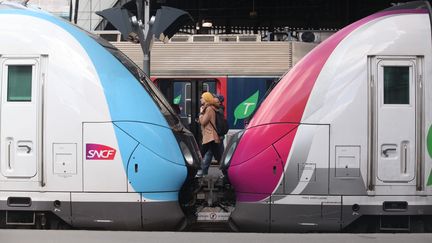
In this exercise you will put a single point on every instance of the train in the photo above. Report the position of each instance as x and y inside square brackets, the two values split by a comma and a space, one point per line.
[87, 140]
[342, 143]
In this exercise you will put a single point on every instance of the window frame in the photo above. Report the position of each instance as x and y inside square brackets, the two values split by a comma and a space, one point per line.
[19, 61]
[383, 62]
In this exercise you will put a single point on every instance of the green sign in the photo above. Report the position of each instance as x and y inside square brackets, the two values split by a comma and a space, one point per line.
[177, 99]
[246, 108]
[429, 148]
[429, 183]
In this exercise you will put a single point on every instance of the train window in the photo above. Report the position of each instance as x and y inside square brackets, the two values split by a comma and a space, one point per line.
[188, 100]
[209, 86]
[188, 91]
[205, 87]
[19, 83]
[188, 111]
[396, 84]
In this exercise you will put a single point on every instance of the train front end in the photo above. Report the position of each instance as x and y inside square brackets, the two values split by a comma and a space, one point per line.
[106, 150]
[160, 155]
[306, 147]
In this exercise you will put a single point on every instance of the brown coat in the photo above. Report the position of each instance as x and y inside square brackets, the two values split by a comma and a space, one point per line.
[208, 131]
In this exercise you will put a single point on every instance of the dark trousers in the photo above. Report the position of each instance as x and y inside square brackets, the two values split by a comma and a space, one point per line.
[215, 150]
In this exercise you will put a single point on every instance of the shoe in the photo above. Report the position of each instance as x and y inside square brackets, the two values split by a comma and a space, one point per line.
[199, 174]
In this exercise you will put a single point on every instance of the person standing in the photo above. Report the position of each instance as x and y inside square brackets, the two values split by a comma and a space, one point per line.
[210, 138]
[221, 109]
[219, 99]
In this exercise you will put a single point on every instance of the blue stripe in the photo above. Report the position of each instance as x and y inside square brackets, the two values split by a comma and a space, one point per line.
[127, 101]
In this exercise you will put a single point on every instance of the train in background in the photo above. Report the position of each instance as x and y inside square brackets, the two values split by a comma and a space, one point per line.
[87, 140]
[343, 142]
[242, 71]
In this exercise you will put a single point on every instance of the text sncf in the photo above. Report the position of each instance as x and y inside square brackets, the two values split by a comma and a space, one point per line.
[99, 152]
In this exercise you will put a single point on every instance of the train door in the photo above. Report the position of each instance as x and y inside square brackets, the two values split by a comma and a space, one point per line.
[397, 119]
[20, 118]
[185, 94]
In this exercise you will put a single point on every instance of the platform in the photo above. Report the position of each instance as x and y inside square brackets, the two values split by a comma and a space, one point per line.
[82, 236]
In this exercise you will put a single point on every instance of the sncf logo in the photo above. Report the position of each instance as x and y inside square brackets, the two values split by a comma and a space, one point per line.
[99, 152]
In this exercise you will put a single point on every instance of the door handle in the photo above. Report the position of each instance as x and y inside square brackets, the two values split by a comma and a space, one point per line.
[9, 155]
[385, 151]
[25, 146]
[405, 159]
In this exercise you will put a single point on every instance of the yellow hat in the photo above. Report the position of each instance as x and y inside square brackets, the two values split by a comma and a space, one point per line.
[208, 97]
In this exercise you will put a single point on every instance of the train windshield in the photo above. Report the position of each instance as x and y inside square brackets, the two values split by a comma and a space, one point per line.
[148, 85]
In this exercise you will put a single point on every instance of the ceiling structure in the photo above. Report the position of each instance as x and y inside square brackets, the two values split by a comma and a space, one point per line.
[267, 16]
[296, 14]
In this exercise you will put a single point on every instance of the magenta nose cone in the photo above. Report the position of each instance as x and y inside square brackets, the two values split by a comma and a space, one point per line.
[256, 178]
[257, 166]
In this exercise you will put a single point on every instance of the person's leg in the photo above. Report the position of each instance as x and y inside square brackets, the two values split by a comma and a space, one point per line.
[204, 149]
[221, 146]
[206, 162]
[216, 151]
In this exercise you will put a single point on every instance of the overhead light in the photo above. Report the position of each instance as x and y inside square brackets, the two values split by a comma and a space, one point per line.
[253, 14]
[207, 24]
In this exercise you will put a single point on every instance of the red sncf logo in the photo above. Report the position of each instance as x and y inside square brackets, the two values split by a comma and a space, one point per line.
[99, 152]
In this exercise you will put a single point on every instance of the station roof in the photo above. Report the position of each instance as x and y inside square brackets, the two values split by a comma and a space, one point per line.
[296, 14]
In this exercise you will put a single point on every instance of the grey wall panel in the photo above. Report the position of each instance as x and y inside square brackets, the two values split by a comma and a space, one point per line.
[220, 58]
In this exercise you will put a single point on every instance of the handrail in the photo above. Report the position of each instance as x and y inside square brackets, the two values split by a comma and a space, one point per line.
[42, 131]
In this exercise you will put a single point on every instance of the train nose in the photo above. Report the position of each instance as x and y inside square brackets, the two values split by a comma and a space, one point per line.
[256, 166]
[155, 163]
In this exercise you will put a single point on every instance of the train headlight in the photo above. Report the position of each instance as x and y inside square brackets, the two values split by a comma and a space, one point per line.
[230, 149]
[189, 148]
[187, 154]
[229, 154]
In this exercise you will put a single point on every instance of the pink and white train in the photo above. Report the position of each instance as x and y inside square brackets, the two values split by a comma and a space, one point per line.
[344, 140]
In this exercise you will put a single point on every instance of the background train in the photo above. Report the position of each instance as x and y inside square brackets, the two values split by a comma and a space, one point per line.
[343, 141]
[87, 140]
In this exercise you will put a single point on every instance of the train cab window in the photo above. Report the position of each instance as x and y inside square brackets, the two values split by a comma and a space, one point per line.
[19, 83]
[396, 85]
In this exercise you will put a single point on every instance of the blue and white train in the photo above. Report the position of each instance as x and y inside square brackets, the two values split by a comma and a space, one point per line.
[86, 139]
